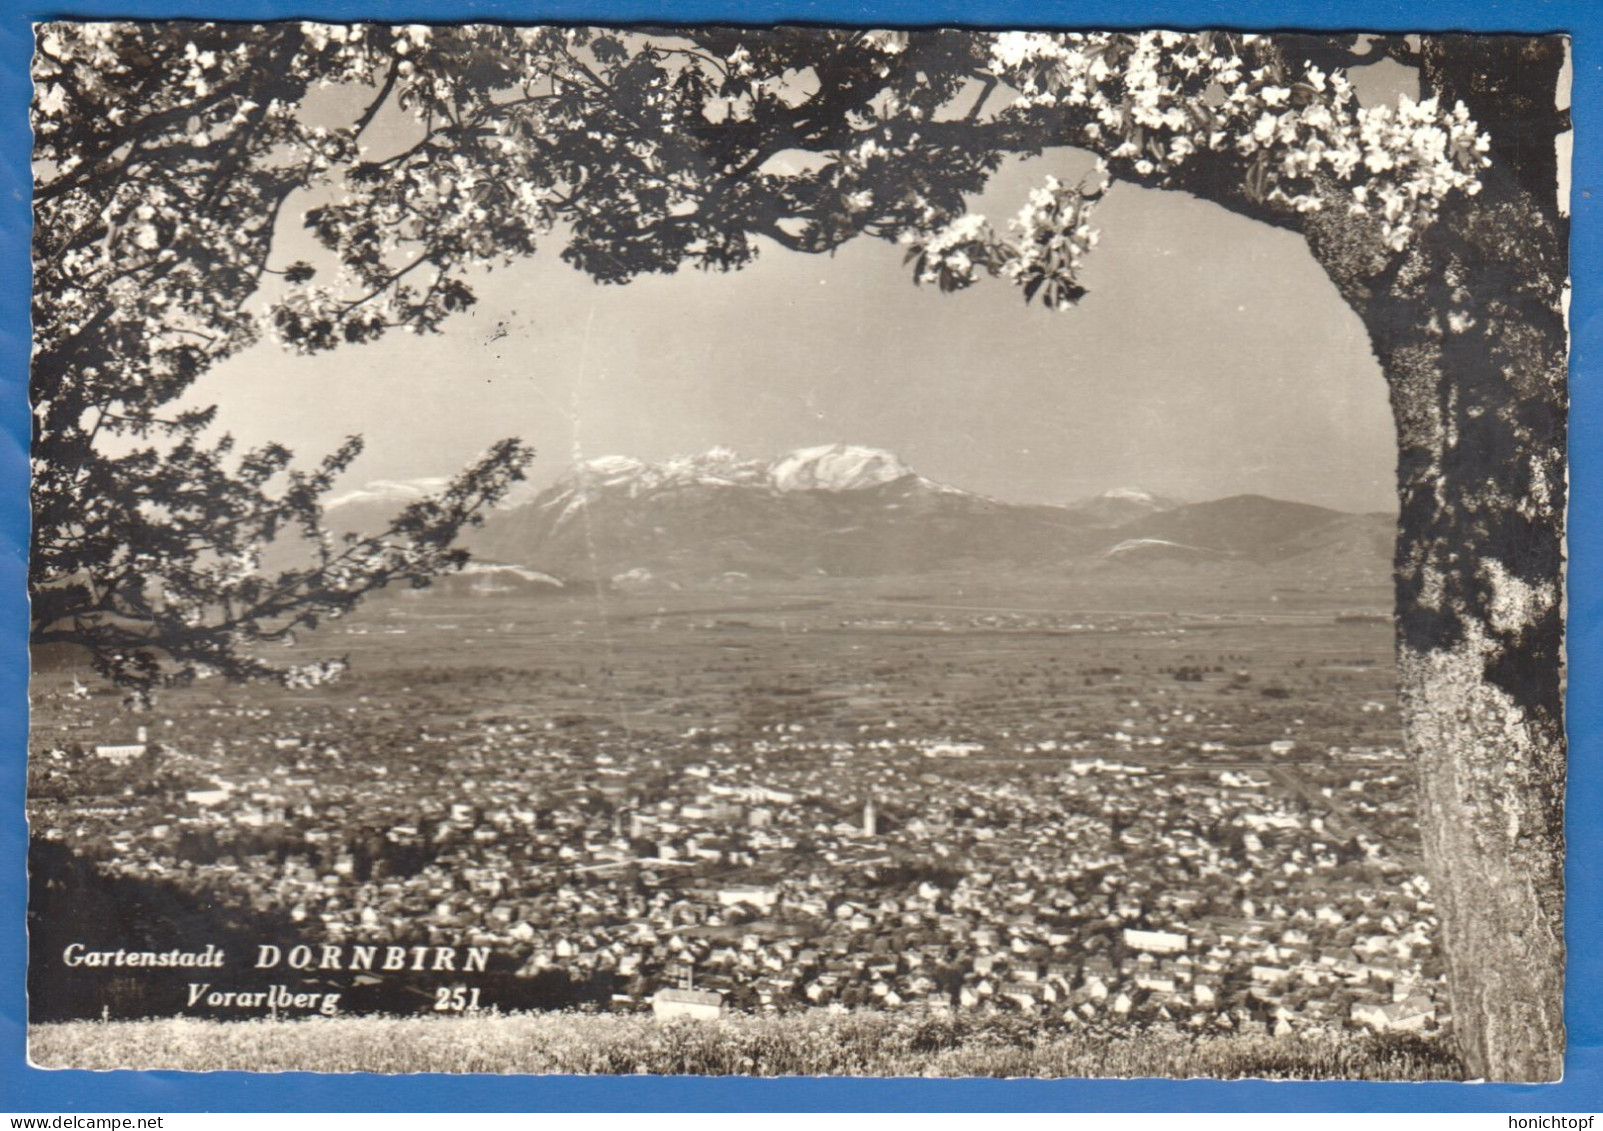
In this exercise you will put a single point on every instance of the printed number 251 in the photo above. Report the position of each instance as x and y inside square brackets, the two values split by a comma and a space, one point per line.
[456, 999]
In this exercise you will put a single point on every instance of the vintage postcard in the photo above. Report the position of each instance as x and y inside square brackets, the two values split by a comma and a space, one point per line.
[798, 551]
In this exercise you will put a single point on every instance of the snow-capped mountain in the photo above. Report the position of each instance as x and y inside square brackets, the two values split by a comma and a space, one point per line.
[836, 467]
[829, 467]
[848, 510]
[831, 509]
[715, 467]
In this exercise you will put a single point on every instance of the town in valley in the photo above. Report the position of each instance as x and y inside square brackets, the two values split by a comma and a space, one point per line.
[1159, 785]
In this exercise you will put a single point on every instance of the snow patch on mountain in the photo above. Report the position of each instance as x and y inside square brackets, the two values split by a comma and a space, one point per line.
[606, 470]
[634, 477]
[1131, 495]
[828, 467]
[836, 467]
[716, 467]
[1130, 544]
[1122, 505]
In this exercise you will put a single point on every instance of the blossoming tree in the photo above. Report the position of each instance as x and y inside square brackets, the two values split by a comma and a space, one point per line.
[169, 153]
[155, 214]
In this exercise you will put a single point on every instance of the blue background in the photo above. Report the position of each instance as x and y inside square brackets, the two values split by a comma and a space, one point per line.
[23, 1089]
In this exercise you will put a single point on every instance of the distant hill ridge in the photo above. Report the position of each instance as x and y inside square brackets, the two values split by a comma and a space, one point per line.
[850, 510]
[1123, 504]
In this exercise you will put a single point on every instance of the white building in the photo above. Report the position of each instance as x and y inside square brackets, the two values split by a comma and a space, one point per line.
[1155, 942]
[761, 898]
[698, 1005]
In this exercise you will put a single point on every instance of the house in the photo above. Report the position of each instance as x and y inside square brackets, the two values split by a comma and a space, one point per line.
[1401, 1016]
[1021, 994]
[1155, 942]
[124, 752]
[698, 1005]
[758, 897]
[209, 797]
[121, 755]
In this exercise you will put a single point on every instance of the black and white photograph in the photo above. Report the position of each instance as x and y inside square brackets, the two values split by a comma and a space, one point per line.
[798, 551]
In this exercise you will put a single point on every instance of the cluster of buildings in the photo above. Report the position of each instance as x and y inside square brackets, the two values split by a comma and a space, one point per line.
[1147, 872]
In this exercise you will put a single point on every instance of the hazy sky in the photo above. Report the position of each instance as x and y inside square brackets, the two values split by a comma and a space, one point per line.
[1212, 357]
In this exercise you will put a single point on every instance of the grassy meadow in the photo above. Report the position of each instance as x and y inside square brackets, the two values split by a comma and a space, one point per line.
[813, 1044]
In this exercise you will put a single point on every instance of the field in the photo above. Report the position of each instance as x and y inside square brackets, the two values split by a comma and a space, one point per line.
[839, 653]
[803, 1045]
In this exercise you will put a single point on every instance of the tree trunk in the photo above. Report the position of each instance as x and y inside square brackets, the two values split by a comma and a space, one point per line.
[1469, 329]
[1488, 813]
[1481, 479]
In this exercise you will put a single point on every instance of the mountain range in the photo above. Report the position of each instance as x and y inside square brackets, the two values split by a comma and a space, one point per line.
[846, 510]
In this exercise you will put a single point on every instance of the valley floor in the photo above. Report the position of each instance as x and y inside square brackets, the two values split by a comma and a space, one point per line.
[809, 1044]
